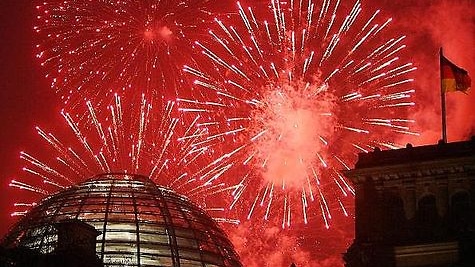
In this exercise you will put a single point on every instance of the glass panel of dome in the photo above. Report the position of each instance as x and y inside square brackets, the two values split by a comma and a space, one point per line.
[117, 193]
[121, 217]
[186, 242]
[190, 254]
[122, 184]
[102, 197]
[120, 199]
[97, 207]
[201, 236]
[50, 210]
[121, 236]
[99, 184]
[152, 228]
[112, 246]
[72, 202]
[69, 209]
[146, 208]
[66, 216]
[153, 260]
[120, 260]
[125, 226]
[146, 202]
[212, 258]
[101, 191]
[90, 200]
[180, 222]
[155, 238]
[91, 216]
[198, 225]
[99, 245]
[83, 191]
[148, 217]
[184, 232]
[155, 249]
[116, 207]
[190, 263]
[209, 247]
[175, 215]
[96, 224]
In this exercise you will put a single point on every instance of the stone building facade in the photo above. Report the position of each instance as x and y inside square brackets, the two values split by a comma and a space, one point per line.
[415, 207]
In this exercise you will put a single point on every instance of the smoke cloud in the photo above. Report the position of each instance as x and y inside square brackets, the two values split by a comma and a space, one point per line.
[430, 25]
[272, 246]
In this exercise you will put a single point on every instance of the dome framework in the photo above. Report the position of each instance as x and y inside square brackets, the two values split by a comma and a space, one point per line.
[140, 224]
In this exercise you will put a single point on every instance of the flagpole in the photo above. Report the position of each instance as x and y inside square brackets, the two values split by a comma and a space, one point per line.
[442, 98]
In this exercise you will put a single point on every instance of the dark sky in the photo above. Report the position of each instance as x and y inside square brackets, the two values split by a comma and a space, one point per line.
[27, 100]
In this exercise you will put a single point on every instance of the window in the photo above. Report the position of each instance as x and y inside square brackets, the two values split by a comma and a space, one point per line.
[460, 212]
[427, 219]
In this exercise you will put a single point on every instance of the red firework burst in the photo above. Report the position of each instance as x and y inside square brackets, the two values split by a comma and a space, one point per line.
[124, 137]
[294, 91]
[134, 46]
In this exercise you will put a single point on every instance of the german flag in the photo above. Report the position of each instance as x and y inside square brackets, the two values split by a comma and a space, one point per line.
[453, 78]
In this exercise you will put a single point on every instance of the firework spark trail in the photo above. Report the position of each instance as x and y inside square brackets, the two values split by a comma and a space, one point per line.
[87, 47]
[141, 139]
[289, 95]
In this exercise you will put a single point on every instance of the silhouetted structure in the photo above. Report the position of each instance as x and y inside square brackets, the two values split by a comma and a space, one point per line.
[139, 224]
[74, 246]
[415, 207]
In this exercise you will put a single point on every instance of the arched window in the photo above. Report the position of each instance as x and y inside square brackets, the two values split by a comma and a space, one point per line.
[460, 212]
[427, 219]
[394, 218]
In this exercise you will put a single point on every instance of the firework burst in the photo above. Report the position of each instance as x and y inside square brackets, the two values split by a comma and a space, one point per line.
[132, 137]
[134, 46]
[295, 91]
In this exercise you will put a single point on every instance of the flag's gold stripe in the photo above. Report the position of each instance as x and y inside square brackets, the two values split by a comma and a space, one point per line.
[449, 85]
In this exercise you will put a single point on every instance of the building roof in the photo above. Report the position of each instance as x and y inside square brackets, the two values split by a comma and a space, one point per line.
[420, 154]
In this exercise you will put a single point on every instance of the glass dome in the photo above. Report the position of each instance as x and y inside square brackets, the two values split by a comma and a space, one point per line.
[140, 224]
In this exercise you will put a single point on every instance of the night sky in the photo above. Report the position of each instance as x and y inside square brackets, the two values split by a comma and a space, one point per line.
[27, 100]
